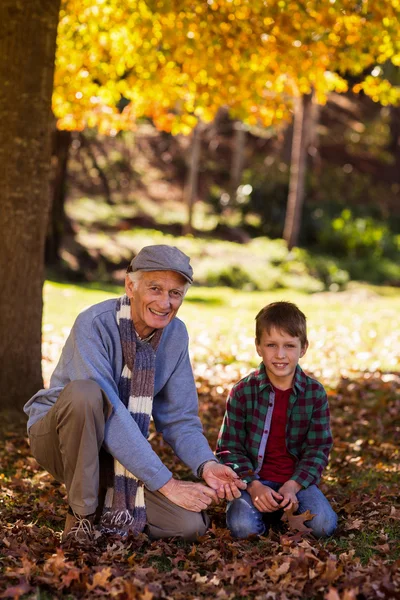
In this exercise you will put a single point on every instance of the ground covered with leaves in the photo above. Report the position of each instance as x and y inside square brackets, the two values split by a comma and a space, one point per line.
[361, 561]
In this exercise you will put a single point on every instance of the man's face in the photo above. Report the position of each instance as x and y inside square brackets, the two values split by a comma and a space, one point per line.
[280, 353]
[155, 300]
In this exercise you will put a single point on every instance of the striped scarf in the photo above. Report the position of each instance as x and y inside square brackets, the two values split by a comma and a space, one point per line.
[124, 507]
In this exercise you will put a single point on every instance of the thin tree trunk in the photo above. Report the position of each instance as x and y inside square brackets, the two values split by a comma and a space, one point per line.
[237, 158]
[86, 144]
[56, 226]
[302, 114]
[27, 49]
[191, 186]
[394, 143]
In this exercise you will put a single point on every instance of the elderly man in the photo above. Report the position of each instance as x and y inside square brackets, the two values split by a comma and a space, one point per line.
[124, 361]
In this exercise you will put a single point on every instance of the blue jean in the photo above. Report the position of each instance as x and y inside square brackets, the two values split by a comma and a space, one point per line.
[243, 518]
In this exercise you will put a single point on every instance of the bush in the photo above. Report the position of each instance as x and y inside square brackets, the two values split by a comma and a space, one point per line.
[357, 237]
[374, 270]
[329, 271]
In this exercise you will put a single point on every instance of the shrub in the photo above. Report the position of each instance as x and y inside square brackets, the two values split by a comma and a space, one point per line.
[357, 237]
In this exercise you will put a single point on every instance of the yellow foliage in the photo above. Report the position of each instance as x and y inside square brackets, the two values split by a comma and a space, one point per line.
[380, 90]
[179, 61]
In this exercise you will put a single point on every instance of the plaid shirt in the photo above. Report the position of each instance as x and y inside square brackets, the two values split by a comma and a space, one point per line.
[245, 428]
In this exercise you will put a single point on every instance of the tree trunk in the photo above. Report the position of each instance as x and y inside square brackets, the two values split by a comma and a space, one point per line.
[56, 225]
[190, 192]
[27, 49]
[237, 159]
[302, 114]
[394, 143]
[86, 144]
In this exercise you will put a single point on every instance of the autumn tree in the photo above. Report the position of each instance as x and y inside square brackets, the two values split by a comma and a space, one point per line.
[27, 51]
[179, 61]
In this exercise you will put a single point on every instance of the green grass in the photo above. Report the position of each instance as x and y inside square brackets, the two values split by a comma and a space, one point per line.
[367, 543]
[352, 331]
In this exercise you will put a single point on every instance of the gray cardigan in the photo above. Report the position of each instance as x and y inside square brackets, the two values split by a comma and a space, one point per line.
[93, 351]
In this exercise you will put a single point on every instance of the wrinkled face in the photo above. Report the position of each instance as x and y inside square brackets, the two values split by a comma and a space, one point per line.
[155, 299]
[280, 353]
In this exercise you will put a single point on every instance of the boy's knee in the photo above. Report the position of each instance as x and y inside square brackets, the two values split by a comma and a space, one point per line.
[244, 529]
[244, 520]
[323, 525]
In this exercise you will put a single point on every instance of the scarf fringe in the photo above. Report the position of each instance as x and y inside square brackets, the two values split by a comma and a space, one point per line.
[117, 518]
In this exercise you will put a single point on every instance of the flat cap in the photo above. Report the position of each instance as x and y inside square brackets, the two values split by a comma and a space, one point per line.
[162, 258]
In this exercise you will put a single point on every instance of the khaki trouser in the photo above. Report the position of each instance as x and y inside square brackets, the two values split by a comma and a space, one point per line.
[67, 443]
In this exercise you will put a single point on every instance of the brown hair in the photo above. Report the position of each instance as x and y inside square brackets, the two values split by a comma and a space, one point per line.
[282, 315]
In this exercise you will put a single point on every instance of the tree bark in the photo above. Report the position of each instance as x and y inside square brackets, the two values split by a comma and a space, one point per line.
[27, 50]
[302, 115]
[190, 192]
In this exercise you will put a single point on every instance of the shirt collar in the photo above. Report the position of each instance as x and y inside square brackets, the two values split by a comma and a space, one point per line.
[299, 380]
[145, 339]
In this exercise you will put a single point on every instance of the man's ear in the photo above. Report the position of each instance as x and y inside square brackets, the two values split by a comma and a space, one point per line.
[258, 348]
[128, 286]
[303, 350]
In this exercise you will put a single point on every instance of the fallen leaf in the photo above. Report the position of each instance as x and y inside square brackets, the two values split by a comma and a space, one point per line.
[16, 591]
[147, 595]
[356, 524]
[332, 594]
[100, 579]
[297, 522]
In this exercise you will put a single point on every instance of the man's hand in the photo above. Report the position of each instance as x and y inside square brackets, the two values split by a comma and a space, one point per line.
[264, 498]
[289, 490]
[223, 479]
[192, 496]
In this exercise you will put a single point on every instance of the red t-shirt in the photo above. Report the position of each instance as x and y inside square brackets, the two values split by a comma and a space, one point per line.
[278, 464]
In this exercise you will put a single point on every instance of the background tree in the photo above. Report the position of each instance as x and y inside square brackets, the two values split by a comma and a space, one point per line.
[177, 62]
[27, 51]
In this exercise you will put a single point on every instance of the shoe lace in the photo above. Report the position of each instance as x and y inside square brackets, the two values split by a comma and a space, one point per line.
[82, 527]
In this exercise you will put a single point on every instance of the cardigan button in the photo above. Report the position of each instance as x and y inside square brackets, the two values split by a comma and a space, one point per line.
[266, 431]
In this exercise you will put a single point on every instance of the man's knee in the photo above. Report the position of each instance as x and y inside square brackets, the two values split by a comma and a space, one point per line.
[187, 525]
[85, 395]
[193, 526]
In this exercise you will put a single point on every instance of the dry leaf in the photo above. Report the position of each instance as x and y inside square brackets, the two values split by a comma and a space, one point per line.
[297, 522]
[100, 579]
[16, 591]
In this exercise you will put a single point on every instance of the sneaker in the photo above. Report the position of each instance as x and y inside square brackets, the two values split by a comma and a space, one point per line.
[78, 529]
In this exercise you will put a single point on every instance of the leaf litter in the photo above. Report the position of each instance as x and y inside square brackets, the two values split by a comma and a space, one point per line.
[361, 561]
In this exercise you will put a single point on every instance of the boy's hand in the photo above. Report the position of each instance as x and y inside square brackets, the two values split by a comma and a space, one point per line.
[223, 480]
[289, 490]
[264, 498]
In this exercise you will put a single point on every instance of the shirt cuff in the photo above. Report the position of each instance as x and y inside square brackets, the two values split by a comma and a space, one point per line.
[162, 476]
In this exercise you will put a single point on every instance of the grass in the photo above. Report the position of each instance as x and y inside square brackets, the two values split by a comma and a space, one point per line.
[354, 350]
[369, 543]
[349, 332]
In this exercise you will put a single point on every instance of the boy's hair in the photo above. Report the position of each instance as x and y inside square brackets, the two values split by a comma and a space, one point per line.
[282, 315]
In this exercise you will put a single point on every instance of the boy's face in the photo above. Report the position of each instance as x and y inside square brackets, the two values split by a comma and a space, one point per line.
[280, 353]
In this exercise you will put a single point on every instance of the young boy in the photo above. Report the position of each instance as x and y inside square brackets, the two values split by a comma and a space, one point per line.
[276, 433]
